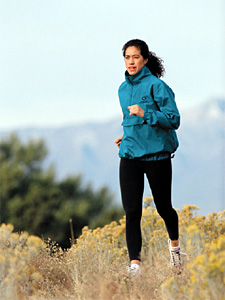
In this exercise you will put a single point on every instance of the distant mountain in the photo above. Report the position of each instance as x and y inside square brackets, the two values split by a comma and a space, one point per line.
[198, 166]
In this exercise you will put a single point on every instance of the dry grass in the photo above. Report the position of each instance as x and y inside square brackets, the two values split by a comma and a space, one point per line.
[95, 267]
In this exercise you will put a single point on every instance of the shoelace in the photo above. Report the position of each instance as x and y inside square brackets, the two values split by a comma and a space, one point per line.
[130, 269]
[133, 272]
[176, 259]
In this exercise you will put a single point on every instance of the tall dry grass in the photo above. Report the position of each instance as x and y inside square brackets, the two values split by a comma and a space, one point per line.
[95, 267]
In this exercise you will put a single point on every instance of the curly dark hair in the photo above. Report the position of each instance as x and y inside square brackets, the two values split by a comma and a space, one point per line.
[155, 64]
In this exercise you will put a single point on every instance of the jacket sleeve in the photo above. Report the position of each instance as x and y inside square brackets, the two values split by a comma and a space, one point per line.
[167, 115]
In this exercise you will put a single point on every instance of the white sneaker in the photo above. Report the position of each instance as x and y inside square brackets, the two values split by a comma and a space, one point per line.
[176, 259]
[134, 270]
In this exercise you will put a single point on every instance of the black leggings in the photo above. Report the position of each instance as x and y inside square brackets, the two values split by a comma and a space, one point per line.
[159, 174]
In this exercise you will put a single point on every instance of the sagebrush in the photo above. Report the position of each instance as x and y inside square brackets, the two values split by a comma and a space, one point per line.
[95, 266]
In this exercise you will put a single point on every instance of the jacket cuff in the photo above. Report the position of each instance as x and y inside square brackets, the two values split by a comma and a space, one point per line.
[150, 116]
[147, 117]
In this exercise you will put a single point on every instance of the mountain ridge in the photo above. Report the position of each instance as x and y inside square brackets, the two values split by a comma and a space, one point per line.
[198, 165]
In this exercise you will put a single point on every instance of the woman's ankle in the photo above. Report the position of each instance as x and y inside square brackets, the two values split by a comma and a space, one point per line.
[174, 243]
[136, 262]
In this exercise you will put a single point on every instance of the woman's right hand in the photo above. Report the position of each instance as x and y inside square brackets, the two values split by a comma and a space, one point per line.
[118, 141]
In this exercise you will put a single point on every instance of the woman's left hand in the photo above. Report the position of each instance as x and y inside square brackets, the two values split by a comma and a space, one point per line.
[136, 110]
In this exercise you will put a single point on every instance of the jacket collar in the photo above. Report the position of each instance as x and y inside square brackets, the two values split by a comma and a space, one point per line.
[136, 78]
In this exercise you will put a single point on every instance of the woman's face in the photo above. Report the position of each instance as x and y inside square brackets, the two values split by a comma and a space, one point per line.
[134, 61]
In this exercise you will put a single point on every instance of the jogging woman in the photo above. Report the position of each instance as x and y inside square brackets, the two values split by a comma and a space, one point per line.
[150, 118]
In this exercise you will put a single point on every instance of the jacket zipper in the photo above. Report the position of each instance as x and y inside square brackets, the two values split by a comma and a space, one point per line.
[131, 95]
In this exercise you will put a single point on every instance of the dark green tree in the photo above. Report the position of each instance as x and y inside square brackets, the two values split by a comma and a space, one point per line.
[32, 200]
[20, 166]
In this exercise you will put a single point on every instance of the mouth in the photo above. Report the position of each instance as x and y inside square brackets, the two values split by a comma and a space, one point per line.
[132, 69]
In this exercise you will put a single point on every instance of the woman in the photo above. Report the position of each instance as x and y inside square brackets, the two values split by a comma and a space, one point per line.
[150, 118]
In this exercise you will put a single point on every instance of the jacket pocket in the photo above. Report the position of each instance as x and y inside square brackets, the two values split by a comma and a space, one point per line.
[132, 121]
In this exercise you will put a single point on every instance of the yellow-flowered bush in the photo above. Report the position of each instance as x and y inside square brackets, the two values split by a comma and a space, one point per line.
[27, 265]
[95, 266]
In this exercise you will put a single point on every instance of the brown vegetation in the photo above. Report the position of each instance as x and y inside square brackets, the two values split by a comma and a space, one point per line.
[95, 267]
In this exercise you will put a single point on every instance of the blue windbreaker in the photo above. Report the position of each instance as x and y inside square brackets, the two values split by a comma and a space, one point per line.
[153, 136]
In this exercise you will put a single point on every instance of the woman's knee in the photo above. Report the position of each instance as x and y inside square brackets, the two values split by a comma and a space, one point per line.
[133, 215]
[167, 212]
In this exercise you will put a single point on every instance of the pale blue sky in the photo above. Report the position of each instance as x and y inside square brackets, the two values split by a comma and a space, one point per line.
[61, 61]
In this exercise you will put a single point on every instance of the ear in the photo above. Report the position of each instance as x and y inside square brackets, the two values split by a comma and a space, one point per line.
[145, 61]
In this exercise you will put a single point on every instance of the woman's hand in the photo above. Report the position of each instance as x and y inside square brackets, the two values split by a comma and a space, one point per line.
[136, 110]
[118, 141]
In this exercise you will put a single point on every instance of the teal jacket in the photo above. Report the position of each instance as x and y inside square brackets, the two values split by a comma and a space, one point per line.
[153, 136]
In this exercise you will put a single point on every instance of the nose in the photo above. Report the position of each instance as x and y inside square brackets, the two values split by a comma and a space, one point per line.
[131, 62]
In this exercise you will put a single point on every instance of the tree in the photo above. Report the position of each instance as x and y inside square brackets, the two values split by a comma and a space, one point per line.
[19, 166]
[32, 200]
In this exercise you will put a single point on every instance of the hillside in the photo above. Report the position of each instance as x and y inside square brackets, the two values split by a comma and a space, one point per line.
[198, 166]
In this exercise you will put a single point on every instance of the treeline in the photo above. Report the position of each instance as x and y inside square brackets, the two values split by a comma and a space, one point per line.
[34, 201]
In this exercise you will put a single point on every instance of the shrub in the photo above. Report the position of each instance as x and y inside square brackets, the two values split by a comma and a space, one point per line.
[95, 266]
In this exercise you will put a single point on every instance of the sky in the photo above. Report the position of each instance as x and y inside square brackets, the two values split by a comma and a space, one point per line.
[61, 61]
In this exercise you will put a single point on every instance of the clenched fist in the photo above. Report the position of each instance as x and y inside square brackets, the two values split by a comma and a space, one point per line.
[118, 140]
[136, 110]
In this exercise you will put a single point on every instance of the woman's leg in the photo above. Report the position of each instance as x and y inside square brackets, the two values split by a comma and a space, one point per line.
[132, 187]
[159, 174]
